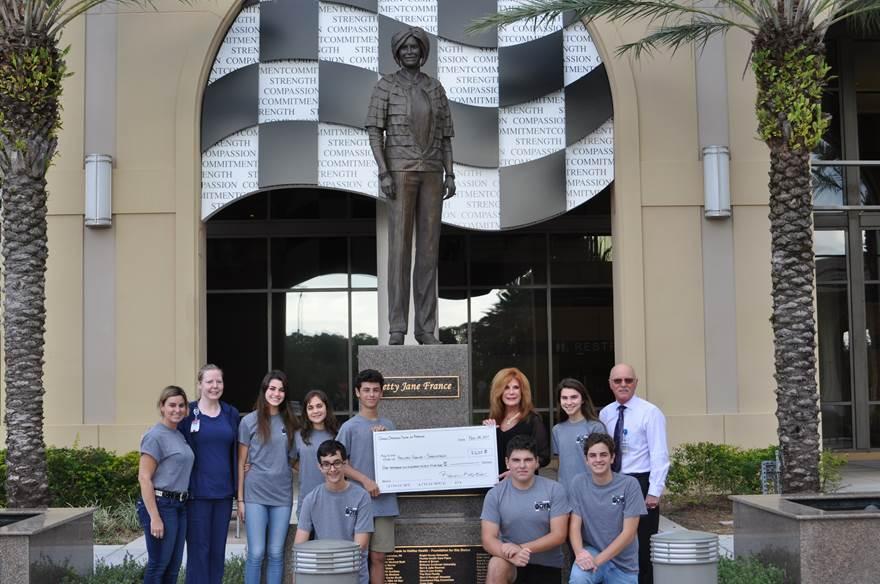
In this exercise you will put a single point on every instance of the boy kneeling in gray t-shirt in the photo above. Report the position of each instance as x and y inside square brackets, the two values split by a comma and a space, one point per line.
[605, 519]
[337, 509]
[524, 521]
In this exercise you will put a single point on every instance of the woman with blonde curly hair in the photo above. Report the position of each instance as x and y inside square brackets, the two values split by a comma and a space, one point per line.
[512, 413]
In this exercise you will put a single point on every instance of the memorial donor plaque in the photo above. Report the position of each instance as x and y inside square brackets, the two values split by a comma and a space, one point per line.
[432, 386]
[435, 459]
[433, 564]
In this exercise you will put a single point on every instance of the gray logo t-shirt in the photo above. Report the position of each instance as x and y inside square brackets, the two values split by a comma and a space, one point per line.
[173, 455]
[524, 515]
[602, 509]
[270, 478]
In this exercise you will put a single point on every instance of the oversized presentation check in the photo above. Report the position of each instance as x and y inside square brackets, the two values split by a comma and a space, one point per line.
[435, 459]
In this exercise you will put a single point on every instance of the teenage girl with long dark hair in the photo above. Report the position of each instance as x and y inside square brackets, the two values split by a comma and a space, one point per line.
[265, 492]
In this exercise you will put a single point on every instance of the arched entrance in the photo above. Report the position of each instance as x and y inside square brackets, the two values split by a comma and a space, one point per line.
[291, 284]
[525, 275]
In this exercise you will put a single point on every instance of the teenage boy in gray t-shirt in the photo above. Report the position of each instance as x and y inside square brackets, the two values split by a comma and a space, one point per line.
[605, 519]
[336, 509]
[357, 436]
[524, 521]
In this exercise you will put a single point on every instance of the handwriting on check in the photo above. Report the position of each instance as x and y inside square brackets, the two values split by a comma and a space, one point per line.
[439, 458]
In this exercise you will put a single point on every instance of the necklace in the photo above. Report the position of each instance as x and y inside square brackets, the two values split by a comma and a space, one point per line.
[511, 419]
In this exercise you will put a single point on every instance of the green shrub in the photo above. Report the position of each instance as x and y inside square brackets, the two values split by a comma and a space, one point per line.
[748, 571]
[132, 572]
[85, 477]
[704, 469]
[830, 465]
[234, 571]
[128, 572]
[116, 525]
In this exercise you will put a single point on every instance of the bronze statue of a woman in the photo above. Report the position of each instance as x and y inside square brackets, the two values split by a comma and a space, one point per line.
[410, 128]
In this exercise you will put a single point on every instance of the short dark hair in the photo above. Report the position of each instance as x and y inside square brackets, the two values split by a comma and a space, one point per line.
[522, 442]
[369, 375]
[331, 447]
[599, 438]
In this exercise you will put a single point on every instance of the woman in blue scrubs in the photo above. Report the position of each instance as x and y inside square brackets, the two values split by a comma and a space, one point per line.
[211, 429]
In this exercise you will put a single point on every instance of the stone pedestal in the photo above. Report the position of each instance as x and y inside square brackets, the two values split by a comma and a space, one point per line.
[814, 538]
[418, 409]
[40, 546]
[441, 518]
[437, 533]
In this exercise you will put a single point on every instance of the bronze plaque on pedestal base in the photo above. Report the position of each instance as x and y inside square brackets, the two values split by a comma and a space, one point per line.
[436, 564]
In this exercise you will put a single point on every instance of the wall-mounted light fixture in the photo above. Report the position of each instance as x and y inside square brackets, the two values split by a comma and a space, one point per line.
[716, 181]
[99, 181]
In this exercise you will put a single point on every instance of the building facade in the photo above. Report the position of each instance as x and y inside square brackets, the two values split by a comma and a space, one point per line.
[277, 261]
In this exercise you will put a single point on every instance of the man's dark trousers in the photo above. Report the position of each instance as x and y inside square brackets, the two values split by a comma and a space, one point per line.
[648, 525]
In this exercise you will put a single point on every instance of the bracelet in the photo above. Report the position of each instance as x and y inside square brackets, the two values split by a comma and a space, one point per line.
[450, 175]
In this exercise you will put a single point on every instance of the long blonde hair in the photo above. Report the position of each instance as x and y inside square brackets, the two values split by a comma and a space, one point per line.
[501, 379]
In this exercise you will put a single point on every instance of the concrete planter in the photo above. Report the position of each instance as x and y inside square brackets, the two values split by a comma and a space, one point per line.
[814, 538]
[38, 545]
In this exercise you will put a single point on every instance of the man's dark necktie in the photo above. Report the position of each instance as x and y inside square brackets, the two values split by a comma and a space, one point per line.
[618, 439]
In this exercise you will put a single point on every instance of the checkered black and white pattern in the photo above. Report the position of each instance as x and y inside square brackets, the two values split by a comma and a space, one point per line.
[288, 94]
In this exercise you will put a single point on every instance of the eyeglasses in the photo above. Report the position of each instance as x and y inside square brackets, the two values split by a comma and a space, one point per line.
[337, 464]
[622, 380]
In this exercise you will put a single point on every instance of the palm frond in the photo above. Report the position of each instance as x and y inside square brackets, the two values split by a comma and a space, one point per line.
[654, 10]
[752, 10]
[537, 11]
[542, 11]
[862, 15]
[22, 18]
[73, 9]
[818, 12]
[674, 36]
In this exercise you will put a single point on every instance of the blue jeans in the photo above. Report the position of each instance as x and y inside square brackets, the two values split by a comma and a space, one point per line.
[607, 573]
[164, 555]
[258, 520]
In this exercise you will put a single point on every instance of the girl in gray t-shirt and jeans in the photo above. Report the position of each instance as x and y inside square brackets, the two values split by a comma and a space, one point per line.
[265, 492]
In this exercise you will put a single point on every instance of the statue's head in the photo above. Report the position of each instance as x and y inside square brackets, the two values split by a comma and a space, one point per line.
[401, 37]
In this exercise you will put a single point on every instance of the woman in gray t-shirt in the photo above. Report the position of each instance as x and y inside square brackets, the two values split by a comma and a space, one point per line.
[318, 424]
[265, 445]
[163, 473]
[577, 421]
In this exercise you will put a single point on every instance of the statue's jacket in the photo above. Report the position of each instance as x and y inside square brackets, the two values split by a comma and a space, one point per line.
[391, 109]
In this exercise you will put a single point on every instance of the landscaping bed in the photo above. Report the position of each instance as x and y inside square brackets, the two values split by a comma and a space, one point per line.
[714, 514]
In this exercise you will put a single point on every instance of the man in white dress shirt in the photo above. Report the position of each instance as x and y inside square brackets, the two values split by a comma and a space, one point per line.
[641, 452]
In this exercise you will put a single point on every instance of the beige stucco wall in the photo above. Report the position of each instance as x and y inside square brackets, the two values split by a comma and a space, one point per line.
[163, 58]
[657, 224]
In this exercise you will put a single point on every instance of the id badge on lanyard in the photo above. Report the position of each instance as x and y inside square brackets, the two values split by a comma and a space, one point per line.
[194, 426]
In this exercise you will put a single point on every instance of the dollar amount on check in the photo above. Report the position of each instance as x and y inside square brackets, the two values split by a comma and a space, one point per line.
[436, 459]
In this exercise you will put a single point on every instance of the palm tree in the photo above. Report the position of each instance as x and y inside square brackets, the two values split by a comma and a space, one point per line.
[32, 69]
[788, 60]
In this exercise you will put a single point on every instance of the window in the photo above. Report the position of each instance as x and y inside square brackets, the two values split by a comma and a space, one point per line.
[291, 284]
[846, 185]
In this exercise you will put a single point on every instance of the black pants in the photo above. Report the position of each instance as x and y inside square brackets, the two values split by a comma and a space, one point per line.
[648, 525]
[537, 574]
